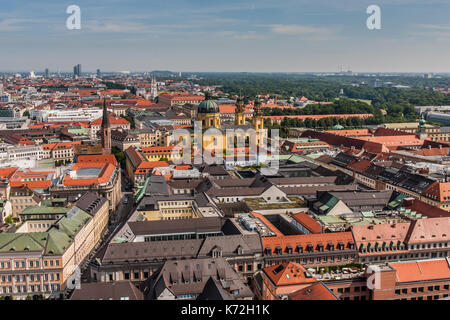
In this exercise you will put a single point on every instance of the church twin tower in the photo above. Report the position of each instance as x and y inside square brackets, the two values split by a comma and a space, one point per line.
[209, 114]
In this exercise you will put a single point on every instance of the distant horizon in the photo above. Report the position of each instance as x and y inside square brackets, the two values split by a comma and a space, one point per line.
[54, 71]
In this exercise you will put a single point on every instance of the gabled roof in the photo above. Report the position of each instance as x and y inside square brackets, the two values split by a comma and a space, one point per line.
[308, 222]
[425, 209]
[439, 191]
[214, 291]
[288, 273]
[429, 230]
[134, 156]
[380, 233]
[6, 173]
[107, 158]
[107, 291]
[316, 291]
[423, 270]
[311, 240]
[90, 202]
[145, 166]
[113, 120]
[359, 166]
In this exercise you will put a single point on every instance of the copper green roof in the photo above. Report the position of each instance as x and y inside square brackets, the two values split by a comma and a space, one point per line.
[20, 242]
[79, 131]
[53, 242]
[208, 106]
[73, 222]
[44, 210]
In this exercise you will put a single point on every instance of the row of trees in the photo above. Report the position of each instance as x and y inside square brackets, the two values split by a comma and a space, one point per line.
[398, 103]
[326, 123]
[323, 124]
[339, 106]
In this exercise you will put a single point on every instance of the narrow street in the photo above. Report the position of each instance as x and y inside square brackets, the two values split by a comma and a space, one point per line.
[118, 218]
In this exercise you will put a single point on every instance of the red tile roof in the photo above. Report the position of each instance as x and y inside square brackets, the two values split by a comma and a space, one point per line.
[288, 273]
[308, 222]
[107, 158]
[113, 120]
[157, 150]
[304, 240]
[380, 233]
[316, 291]
[359, 166]
[28, 178]
[351, 133]
[267, 223]
[424, 270]
[103, 177]
[60, 145]
[424, 209]
[439, 191]
[146, 166]
[6, 173]
[427, 152]
[429, 230]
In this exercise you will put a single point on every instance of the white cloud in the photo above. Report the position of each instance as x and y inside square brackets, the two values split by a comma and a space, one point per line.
[295, 30]
[248, 36]
[434, 26]
[11, 24]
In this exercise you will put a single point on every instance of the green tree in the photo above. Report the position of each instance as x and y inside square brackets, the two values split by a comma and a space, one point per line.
[130, 120]
[120, 156]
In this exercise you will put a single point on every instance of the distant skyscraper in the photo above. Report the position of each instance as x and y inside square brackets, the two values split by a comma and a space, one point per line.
[77, 70]
[46, 73]
[98, 72]
[154, 89]
[1, 88]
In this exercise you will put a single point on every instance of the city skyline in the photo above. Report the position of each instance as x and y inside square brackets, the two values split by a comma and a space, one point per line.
[245, 36]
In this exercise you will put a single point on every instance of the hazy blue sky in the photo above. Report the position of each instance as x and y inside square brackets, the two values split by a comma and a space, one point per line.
[232, 35]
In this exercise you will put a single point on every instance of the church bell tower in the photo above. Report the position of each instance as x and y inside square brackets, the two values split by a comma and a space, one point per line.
[106, 130]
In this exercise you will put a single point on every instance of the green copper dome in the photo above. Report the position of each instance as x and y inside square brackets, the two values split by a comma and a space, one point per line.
[208, 106]
[422, 121]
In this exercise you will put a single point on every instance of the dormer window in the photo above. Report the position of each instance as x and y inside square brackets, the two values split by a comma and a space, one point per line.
[300, 249]
[268, 251]
[278, 250]
[288, 249]
[216, 252]
[310, 248]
